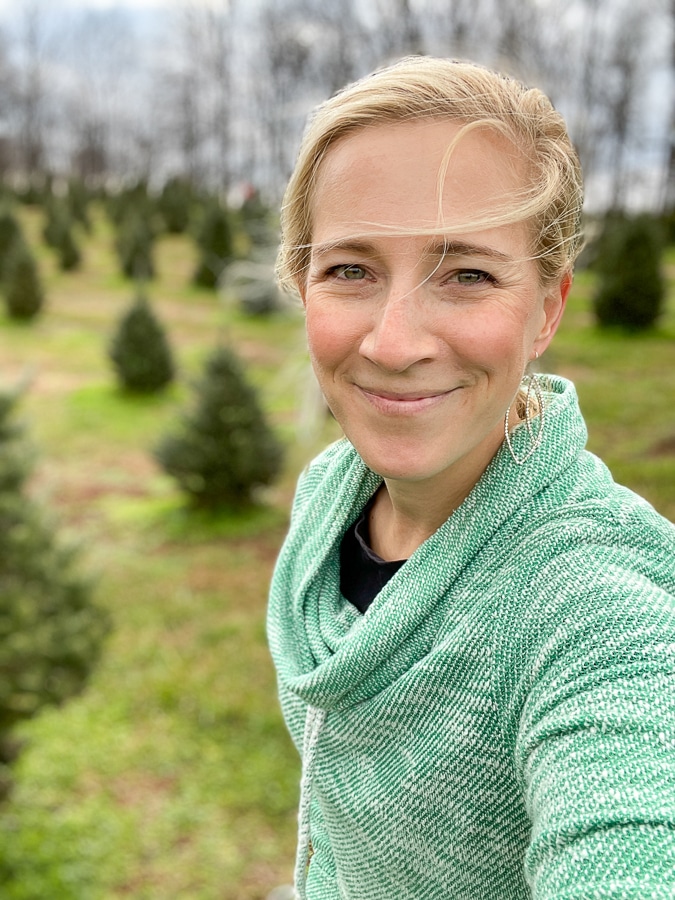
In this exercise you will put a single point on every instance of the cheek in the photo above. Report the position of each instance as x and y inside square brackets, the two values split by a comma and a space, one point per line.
[331, 336]
[493, 338]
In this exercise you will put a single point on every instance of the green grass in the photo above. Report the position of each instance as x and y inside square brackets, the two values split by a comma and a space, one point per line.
[626, 386]
[172, 775]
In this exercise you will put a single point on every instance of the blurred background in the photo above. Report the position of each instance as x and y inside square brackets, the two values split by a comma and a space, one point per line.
[156, 401]
[218, 91]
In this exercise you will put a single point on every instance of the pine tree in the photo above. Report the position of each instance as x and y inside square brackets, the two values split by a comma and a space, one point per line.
[225, 449]
[140, 350]
[24, 296]
[58, 233]
[77, 199]
[174, 205]
[68, 251]
[10, 234]
[631, 288]
[50, 630]
[216, 245]
[135, 246]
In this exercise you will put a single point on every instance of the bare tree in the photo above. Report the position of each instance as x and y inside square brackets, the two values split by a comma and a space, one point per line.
[668, 189]
[30, 99]
[100, 46]
[282, 93]
[8, 90]
[398, 29]
[344, 50]
[232, 84]
[193, 90]
[606, 93]
[622, 93]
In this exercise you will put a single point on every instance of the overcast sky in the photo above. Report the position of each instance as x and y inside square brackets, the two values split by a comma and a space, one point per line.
[11, 6]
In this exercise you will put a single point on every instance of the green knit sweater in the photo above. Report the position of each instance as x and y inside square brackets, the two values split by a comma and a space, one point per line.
[500, 724]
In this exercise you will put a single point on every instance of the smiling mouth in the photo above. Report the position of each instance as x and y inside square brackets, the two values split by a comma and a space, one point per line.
[407, 403]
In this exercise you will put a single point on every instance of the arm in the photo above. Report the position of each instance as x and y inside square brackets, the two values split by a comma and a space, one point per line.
[595, 737]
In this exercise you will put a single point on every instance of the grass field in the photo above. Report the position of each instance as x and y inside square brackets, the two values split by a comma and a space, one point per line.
[172, 775]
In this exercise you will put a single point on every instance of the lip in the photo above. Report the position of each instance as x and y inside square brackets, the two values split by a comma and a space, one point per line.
[406, 403]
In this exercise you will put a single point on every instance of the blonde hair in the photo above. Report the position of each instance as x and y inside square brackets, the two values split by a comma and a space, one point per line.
[429, 88]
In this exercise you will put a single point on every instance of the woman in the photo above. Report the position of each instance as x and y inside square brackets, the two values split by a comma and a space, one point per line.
[473, 626]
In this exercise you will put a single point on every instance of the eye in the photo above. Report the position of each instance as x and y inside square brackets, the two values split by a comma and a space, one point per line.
[348, 272]
[471, 276]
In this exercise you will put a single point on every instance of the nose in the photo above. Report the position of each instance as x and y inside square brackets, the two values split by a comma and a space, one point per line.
[399, 335]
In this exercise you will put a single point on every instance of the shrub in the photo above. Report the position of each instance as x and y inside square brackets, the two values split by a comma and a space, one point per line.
[175, 205]
[10, 234]
[134, 246]
[78, 199]
[216, 245]
[24, 296]
[58, 233]
[225, 449]
[50, 631]
[631, 287]
[140, 350]
[134, 199]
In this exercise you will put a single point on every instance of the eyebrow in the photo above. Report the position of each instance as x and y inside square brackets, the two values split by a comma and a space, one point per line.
[437, 247]
[445, 247]
[348, 245]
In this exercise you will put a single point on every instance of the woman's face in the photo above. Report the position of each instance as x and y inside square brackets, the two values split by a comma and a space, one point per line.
[420, 342]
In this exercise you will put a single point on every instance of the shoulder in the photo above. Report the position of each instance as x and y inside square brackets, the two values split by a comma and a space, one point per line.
[587, 517]
[329, 466]
[594, 598]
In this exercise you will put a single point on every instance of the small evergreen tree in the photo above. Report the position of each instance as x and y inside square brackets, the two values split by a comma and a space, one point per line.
[50, 630]
[140, 350]
[216, 245]
[77, 199]
[134, 199]
[58, 234]
[68, 251]
[225, 449]
[631, 287]
[134, 246]
[175, 204]
[24, 296]
[10, 234]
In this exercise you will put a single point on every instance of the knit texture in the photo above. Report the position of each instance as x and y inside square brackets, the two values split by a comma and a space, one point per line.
[500, 724]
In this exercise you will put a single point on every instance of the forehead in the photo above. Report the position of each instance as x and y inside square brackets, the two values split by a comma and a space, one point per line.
[407, 176]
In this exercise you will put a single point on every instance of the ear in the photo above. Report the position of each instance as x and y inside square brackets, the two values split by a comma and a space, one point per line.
[555, 300]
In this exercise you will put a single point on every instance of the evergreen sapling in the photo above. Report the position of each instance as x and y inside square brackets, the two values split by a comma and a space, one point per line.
[140, 351]
[51, 632]
[225, 449]
[24, 296]
[216, 245]
[631, 287]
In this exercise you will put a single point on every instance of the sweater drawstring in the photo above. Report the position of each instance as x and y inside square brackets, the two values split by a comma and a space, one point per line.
[313, 723]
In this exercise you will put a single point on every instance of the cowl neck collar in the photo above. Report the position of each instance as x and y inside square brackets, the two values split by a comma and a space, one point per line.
[325, 651]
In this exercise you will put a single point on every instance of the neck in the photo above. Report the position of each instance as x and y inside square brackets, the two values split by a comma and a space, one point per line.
[406, 513]
[403, 517]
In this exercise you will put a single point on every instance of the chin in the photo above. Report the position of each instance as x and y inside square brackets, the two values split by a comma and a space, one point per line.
[395, 467]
